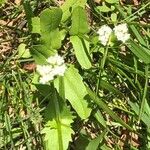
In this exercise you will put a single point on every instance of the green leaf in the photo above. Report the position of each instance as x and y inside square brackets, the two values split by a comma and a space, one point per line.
[3, 1]
[63, 34]
[125, 67]
[23, 52]
[99, 117]
[81, 48]
[45, 90]
[123, 74]
[58, 129]
[114, 17]
[79, 21]
[50, 19]
[39, 59]
[50, 36]
[93, 144]
[146, 114]
[40, 53]
[75, 92]
[29, 13]
[104, 8]
[102, 105]
[105, 147]
[71, 4]
[52, 40]
[110, 87]
[36, 25]
[81, 142]
[112, 1]
[140, 52]
[138, 35]
[49, 22]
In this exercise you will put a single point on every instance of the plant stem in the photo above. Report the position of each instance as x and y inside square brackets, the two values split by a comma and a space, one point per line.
[144, 93]
[101, 69]
[62, 88]
[57, 108]
[122, 109]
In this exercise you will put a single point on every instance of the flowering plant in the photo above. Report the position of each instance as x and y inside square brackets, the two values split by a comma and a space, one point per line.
[54, 67]
[120, 31]
[88, 76]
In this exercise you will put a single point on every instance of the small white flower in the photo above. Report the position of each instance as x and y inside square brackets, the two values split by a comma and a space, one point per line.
[59, 70]
[104, 34]
[46, 78]
[121, 32]
[44, 69]
[55, 66]
[60, 60]
[55, 60]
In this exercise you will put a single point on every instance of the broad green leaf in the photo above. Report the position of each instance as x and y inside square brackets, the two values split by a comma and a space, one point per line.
[71, 4]
[49, 22]
[23, 52]
[79, 21]
[51, 136]
[112, 1]
[63, 34]
[52, 40]
[81, 48]
[36, 25]
[38, 57]
[58, 129]
[50, 19]
[139, 51]
[55, 39]
[102, 105]
[40, 53]
[47, 47]
[75, 92]
[45, 90]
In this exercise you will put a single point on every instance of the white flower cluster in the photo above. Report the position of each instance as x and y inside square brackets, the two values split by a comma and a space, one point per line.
[55, 66]
[120, 31]
[104, 34]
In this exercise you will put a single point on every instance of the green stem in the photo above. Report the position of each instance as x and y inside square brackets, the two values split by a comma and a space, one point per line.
[144, 93]
[62, 88]
[101, 69]
[129, 16]
[122, 109]
[133, 14]
[56, 103]
[136, 68]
